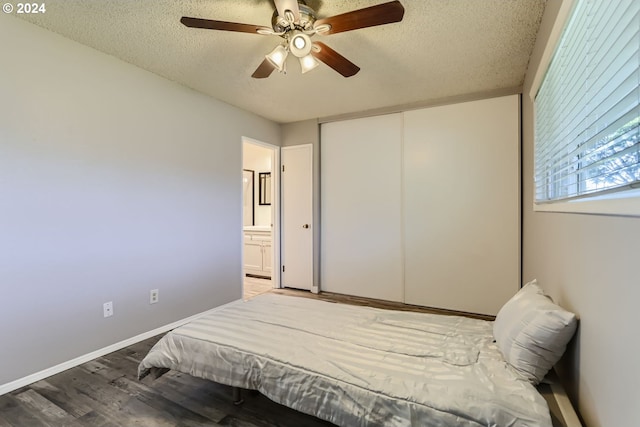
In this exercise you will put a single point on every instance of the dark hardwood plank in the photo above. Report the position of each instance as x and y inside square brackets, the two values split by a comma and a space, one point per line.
[140, 349]
[105, 392]
[15, 414]
[376, 303]
[64, 395]
[4, 422]
[114, 404]
[182, 415]
[96, 367]
[232, 421]
[46, 411]
[95, 419]
[195, 395]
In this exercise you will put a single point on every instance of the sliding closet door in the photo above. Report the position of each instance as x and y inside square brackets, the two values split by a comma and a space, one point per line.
[361, 235]
[462, 208]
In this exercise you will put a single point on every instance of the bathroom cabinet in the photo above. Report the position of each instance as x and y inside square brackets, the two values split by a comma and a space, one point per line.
[257, 251]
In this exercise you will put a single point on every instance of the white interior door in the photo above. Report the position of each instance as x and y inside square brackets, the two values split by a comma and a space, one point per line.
[297, 216]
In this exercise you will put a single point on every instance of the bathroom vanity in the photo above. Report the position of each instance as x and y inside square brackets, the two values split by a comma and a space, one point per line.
[257, 251]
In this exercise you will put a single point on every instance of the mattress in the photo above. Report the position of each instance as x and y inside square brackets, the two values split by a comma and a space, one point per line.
[355, 366]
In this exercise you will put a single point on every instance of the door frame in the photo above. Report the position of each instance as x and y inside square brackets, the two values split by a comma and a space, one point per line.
[275, 211]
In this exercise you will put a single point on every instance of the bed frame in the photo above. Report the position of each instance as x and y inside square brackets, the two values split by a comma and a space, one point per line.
[562, 412]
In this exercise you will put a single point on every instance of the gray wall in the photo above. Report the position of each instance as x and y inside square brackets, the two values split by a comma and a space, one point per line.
[113, 182]
[589, 264]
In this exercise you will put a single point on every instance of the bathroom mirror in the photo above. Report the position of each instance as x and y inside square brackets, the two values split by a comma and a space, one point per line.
[264, 194]
[248, 193]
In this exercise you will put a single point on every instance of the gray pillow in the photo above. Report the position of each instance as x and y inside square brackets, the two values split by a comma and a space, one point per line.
[532, 332]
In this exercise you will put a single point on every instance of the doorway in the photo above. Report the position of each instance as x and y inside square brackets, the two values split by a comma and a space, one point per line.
[261, 217]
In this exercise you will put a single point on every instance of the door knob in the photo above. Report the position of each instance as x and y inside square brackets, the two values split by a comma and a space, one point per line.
[305, 226]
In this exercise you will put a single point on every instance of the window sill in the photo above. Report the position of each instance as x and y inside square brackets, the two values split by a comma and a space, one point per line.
[625, 203]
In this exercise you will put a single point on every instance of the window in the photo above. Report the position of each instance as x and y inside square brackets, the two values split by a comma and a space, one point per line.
[587, 109]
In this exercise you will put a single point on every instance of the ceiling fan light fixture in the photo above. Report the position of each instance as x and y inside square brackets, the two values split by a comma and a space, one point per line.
[300, 44]
[322, 28]
[308, 63]
[277, 57]
[289, 16]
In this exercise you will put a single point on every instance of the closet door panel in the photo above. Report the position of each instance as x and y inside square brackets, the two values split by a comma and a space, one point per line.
[361, 234]
[462, 208]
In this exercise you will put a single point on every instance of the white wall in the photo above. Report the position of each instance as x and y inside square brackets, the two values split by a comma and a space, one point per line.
[113, 181]
[589, 264]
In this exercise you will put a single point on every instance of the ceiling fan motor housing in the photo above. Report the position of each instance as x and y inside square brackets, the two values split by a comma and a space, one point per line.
[307, 19]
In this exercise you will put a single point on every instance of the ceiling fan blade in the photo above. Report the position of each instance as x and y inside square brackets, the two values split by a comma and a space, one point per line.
[264, 70]
[334, 60]
[381, 14]
[210, 24]
[283, 5]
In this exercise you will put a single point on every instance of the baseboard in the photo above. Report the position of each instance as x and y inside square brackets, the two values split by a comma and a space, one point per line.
[30, 379]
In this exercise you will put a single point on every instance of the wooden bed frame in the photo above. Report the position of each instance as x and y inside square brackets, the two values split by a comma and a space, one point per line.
[562, 412]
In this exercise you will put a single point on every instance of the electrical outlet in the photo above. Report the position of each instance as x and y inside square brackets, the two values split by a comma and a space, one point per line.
[154, 296]
[107, 307]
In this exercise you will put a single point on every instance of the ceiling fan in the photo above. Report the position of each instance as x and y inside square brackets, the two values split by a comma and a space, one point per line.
[296, 23]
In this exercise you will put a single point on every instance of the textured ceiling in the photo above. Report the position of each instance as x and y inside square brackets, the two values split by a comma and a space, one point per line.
[442, 49]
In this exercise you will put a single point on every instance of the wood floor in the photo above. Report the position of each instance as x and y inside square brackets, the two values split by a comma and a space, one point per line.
[375, 303]
[105, 392]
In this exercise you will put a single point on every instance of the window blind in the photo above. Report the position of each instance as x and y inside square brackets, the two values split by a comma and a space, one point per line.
[587, 110]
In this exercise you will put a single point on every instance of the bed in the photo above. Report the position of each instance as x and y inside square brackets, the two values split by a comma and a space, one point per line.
[354, 365]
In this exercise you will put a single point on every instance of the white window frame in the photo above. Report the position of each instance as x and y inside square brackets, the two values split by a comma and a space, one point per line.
[624, 202]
